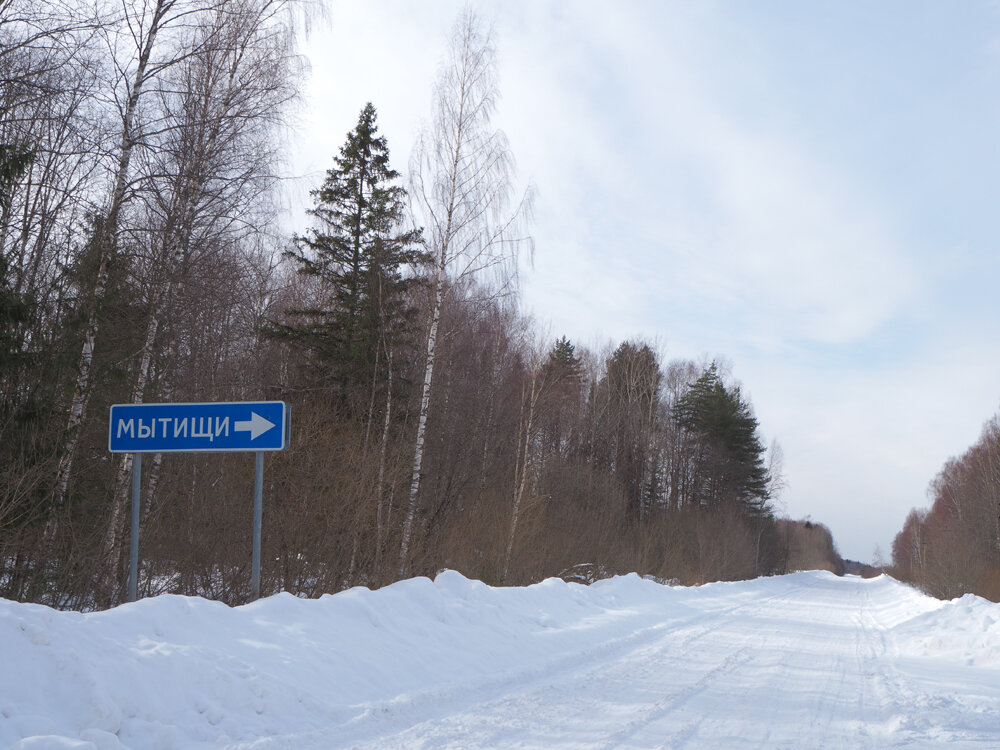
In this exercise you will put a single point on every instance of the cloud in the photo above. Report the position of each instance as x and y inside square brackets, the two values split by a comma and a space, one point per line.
[638, 154]
[745, 184]
[673, 207]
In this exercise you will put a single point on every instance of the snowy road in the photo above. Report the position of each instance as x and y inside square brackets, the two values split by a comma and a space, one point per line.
[789, 663]
[801, 661]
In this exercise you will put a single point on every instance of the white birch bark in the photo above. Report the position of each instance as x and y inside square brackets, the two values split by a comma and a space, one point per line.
[115, 533]
[107, 233]
[461, 183]
[218, 96]
[522, 465]
[380, 510]
[418, 446]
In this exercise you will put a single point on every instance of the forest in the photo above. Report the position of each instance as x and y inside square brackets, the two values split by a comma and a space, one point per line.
[433, 426]
[953, 547]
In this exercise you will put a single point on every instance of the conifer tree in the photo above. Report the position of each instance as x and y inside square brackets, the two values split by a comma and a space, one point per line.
[14, 308]
[563, 355]
[563, 377]
[14, 161]
[358, 253]
[563, 370]
[730, 456]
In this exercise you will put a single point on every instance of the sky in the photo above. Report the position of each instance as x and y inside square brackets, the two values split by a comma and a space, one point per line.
[807, 191]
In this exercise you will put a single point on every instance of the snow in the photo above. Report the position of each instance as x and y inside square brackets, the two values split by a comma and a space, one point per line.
[805, 660]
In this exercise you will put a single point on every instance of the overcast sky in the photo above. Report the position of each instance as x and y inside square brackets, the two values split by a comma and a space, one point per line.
[808, 190]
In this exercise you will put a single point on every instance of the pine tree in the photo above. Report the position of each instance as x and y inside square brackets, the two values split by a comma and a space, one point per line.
[358, 252]
[730, 459]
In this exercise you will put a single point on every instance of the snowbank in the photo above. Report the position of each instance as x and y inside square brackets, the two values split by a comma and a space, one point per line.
[188, 673]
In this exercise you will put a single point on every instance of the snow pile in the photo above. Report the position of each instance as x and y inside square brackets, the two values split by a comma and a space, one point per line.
[967, 631]
[187, 671]
[454, 663]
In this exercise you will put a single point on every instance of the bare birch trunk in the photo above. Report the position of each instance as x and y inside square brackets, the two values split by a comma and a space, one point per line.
[152, 482]
[462, 185]
[494, 387]
[113, 546]
[521, 467]
[380, 519]
[418, 446]
[107, 233]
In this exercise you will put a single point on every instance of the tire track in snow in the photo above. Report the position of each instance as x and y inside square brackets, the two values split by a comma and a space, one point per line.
[733, 621]
[786, 666]
[876, 723]
[806, 671]
[664, 707]
[581, 676]
[559, 679]
[435, 704]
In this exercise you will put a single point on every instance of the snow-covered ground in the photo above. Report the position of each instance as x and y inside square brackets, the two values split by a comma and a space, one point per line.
[801, 661]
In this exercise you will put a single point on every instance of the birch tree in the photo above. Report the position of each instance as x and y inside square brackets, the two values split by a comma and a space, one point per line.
[143, 43]
[209, 182]
[524, 464]
[134, 70]
[461, 185]
[47, 132]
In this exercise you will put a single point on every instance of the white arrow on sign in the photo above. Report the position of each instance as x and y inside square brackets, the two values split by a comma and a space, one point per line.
[257, 425]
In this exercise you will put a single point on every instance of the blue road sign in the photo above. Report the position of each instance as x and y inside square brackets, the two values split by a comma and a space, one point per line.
[217, 427]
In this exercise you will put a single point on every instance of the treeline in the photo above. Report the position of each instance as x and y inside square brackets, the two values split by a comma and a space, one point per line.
[138, 186]
[953, 548]
[431, 428]
[810, 546]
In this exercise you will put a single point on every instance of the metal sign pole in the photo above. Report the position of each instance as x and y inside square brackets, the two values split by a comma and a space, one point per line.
[258, 504]
[133, 560]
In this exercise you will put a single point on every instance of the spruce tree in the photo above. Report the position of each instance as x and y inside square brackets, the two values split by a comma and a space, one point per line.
[14, 161]
[358, 251]
[15, 308]
[563, 352]
[563, 366]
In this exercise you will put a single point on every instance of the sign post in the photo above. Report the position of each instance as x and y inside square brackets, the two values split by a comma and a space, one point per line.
[258, 508]
[133, 557]
[216, 427]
